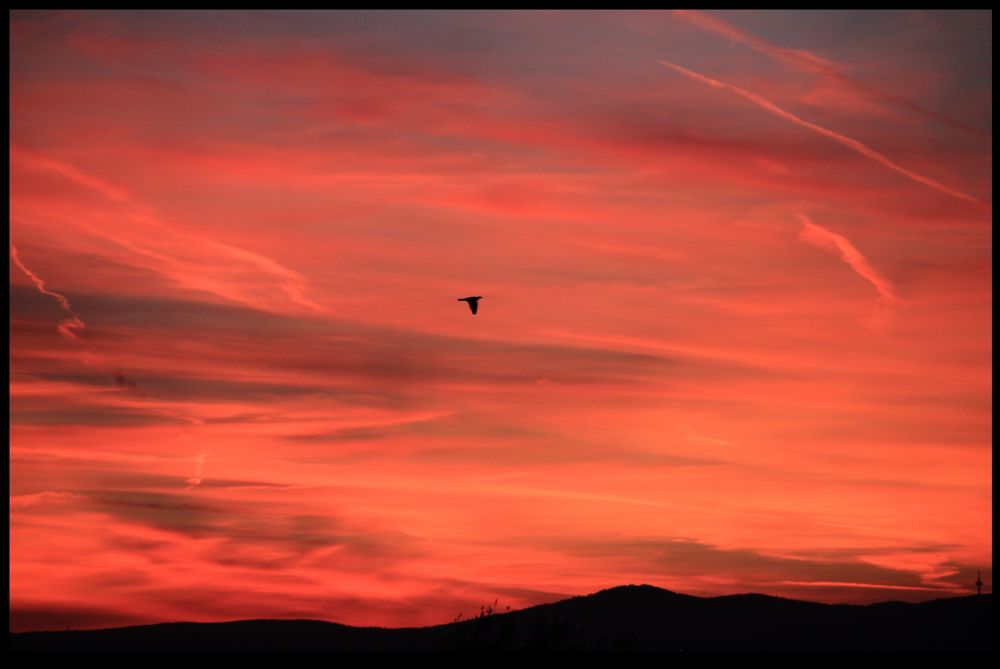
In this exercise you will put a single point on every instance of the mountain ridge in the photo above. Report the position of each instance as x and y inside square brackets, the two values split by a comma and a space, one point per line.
[629, 617]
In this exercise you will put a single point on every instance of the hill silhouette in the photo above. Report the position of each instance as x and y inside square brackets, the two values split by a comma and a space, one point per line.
[623, 618]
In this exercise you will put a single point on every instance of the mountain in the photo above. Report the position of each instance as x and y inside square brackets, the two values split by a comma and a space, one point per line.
[623, 618]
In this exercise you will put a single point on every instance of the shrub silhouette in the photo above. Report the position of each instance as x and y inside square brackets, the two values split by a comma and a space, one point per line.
[494, 629]
[491, 629]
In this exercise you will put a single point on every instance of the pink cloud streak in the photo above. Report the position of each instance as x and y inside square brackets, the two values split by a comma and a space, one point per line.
[188, 259]
[806, 61]
[854, 144]
[823, 238]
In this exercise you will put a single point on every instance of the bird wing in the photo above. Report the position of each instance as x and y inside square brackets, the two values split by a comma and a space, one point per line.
[474, 305]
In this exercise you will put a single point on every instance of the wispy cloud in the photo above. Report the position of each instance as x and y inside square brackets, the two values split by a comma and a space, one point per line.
[827, 239]
[67, 327]
[39, 162]
[33, 499]
[199, 471]
[817, 235]
[875, 586]
[854, 144]
[806, 61]
[188, 259]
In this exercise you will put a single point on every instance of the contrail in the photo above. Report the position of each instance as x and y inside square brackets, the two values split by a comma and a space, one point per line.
[823, 238]
[799, 58]
[805, 61]
[817, 235]
[864, 150]
[72, 323]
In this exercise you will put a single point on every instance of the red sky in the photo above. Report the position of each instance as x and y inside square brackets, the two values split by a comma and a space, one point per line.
[735, 333]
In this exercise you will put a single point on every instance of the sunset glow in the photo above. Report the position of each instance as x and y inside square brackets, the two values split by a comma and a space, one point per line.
[735, 333]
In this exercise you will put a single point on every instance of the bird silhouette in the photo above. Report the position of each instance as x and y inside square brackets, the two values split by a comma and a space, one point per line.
[473, 302]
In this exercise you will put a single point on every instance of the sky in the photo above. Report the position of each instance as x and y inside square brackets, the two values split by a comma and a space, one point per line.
[735, 333]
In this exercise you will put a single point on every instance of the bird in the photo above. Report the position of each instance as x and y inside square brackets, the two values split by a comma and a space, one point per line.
[473, 302]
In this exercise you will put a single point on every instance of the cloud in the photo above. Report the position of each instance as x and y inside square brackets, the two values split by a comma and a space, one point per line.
[802, 59]
[34, 160]
[199, 471]
[246, 525]
[33, 499]
[806, 61]
[817, 235]
[190, 260]
[95, 416]
[854, 144]
[700, 565]
[831, 241]
[869, 586]
[68, 326]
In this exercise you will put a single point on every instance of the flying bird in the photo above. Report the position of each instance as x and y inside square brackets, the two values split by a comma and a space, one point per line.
[473, 302]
